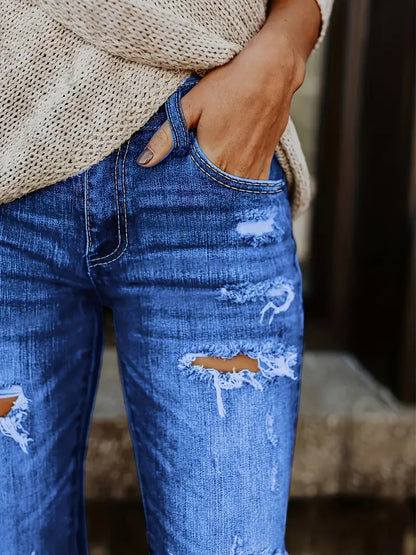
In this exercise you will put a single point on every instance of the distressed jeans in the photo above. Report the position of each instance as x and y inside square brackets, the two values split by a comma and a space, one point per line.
[194, 262]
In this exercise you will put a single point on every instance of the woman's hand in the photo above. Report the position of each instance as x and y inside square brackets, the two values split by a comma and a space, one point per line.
[241, 109]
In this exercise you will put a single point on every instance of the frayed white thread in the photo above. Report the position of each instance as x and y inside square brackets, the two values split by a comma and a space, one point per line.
[256, 228]
[269, 290]
[280, 365]
[271, 436]
[237, 549]
[278, 291]
[253, 214]
[274, 482]
[271, 365]
[11, 424]
[231, 380]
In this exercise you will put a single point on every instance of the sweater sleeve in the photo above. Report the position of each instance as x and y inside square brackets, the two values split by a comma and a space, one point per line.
[325, 7]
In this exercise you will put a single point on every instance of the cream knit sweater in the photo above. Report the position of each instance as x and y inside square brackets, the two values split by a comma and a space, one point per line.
[79, 77]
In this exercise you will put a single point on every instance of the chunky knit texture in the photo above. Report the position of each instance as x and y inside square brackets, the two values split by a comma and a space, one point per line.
[79, 77]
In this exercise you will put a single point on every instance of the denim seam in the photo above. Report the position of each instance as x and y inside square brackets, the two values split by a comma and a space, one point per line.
[131, 415]
[231, 186]
[87, 201]
[210, 167]
[88, 235]
[181, 117]
[85, 422]
[125, 211]
[118, 213]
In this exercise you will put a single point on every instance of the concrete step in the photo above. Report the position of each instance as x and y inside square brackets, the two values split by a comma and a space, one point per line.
[353, 436]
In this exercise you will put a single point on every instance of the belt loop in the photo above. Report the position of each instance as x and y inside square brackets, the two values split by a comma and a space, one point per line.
[182, 137]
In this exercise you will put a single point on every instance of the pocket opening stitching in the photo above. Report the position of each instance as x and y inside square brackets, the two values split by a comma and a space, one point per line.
[241, 181]
[237, 188]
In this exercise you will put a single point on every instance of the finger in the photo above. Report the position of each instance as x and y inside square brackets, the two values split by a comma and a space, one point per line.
[158, 147]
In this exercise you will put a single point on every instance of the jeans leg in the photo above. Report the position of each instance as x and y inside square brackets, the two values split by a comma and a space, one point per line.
[51, 339]
[209, 482]
[210, 271]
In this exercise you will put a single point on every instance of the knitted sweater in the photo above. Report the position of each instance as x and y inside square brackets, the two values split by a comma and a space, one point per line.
[79, 77]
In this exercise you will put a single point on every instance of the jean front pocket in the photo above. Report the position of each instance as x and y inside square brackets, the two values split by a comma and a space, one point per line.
[247, 185]
[186, 144]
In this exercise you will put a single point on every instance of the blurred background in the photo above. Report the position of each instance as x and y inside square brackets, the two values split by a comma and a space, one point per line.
[353, 484]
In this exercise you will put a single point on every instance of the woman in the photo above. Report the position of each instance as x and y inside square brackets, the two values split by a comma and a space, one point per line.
[139, 171]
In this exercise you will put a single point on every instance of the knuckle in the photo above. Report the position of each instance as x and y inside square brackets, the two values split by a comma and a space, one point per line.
[165, 132]
[189, 110]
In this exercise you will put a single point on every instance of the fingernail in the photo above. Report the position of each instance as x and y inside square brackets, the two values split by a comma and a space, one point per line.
[145, 156]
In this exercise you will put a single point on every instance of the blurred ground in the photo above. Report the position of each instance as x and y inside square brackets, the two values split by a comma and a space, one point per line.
[342, 526]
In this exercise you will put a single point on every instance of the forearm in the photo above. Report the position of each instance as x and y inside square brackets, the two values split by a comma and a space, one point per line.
[287, 38]
[298, 21]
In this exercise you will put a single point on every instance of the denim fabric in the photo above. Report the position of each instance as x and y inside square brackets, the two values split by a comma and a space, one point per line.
[193, 261]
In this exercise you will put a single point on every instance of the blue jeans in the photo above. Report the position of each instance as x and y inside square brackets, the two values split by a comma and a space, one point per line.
[194, 262]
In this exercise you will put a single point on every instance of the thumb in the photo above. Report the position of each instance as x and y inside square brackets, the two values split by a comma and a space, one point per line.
[161, 142]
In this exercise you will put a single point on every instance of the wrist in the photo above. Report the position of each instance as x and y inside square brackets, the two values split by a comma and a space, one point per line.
[277, 56]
